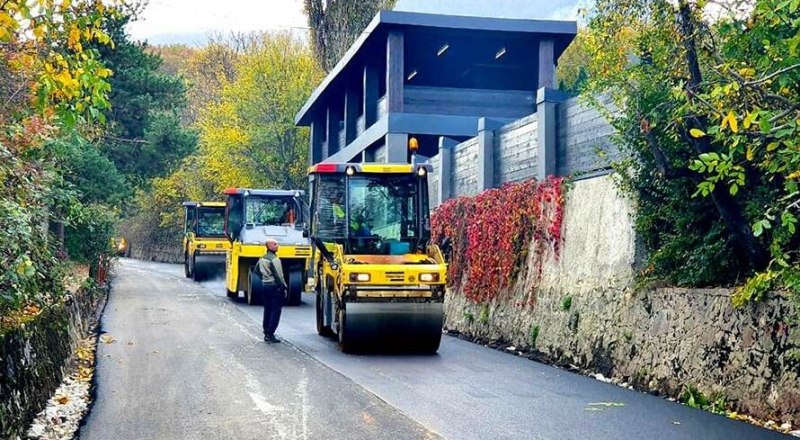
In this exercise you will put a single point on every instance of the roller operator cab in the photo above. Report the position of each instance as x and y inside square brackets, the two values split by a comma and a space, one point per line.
[378, 279]
[204, 242]
[252, 216]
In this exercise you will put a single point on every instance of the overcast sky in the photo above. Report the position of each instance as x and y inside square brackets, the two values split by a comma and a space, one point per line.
[190, 21]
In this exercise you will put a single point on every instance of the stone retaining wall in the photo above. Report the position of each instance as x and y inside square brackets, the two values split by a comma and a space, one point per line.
[160, 253]
[584, 311]
[152, 242]
[33, 358]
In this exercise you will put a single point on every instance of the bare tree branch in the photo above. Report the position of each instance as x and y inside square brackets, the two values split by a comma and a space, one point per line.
[128, 141]
[772, 75]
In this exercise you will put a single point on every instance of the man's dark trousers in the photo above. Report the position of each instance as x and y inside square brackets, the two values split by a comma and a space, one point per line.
[273, 302]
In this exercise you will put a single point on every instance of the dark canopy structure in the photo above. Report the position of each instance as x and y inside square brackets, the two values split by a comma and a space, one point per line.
[429, 76]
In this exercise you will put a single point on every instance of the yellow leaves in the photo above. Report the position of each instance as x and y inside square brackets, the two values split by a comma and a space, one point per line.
[794, 176]
[64, 78]
[7, 21]
[39, 31]
[697, 133]
[730, 121]
[85, 374]
[107, 339]
[8, 26]
[25, 268]
[69, 86]
[86, 357]
[747, 72]
[74, 38]
[733, 123]
[54, 81]
[749, 119]
[751, 154]
[104, 73]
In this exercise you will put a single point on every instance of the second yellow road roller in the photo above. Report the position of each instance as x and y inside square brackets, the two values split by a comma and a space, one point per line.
[252, 216]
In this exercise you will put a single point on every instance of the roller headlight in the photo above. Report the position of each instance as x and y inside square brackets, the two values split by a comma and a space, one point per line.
[360, 277]
[201, 246]
[429, 277]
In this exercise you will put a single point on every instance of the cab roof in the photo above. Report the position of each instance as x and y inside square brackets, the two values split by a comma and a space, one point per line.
[264, 192]
[204, 204]
[375, 168]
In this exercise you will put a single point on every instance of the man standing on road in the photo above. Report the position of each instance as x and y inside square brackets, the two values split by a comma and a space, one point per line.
[275, 289]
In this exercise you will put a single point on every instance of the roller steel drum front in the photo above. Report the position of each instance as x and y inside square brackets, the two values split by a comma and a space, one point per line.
[416, 326]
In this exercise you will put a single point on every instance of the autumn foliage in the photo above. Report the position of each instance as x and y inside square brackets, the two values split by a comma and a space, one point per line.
[488, 237]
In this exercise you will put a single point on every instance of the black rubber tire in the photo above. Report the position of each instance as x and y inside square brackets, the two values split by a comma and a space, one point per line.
[345, 345]
[253, 294]
[295, 282]
[198, 274]
[186, 270]
[322, 329]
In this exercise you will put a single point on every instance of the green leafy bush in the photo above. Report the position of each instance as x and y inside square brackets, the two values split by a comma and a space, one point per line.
[709, 117]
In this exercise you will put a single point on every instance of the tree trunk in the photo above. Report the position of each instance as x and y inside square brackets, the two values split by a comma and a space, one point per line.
[728, 208]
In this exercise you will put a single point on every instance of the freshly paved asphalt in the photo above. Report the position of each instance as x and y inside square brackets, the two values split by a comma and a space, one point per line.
[212, 377]
[184, 364]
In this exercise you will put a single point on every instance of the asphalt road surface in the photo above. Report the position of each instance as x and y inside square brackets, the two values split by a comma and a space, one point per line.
[186, 362]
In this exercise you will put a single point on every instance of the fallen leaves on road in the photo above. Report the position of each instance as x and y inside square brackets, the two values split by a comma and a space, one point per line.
[107, 339]
[785, 427]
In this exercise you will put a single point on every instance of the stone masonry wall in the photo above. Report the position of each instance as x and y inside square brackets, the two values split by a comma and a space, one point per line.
[151, 243]
[33, 357]
[161, 253]
[585, 312]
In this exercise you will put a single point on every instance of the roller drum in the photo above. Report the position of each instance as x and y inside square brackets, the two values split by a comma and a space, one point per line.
[408, 326]
[205, 266]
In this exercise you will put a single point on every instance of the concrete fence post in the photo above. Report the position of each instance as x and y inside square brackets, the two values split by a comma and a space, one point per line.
[446, 147]
[547, 100]
[486, 128]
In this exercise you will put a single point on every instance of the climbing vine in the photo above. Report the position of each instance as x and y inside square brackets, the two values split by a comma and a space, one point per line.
[488, 237]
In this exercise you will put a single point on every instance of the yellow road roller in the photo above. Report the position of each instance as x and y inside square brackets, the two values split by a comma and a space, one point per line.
[379, 281]
[252, 216]
[204, 242]
[121, 247]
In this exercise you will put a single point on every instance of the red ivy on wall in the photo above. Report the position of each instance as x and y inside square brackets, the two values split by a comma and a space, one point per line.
[487, 237]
